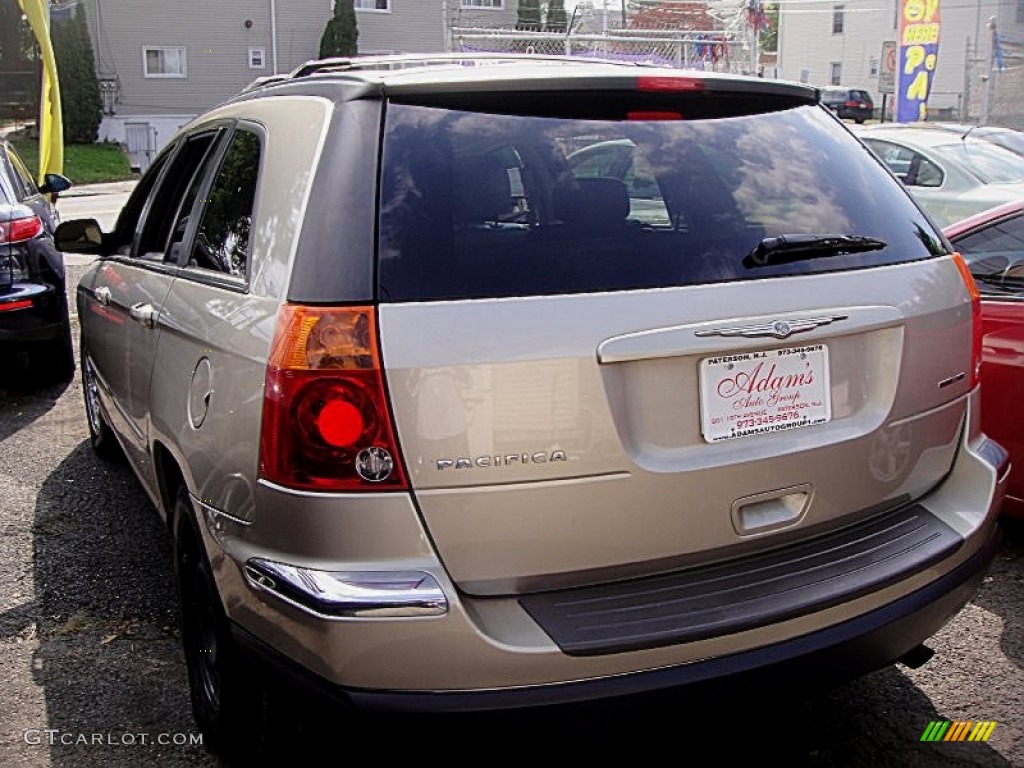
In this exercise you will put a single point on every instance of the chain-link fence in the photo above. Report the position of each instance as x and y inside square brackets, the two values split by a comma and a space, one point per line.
[996, 96]
[684, 35]
[707, 50]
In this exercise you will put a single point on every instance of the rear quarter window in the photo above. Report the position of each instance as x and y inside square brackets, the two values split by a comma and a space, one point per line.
[477, 205]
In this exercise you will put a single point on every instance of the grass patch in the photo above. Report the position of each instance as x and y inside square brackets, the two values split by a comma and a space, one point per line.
[83, 163]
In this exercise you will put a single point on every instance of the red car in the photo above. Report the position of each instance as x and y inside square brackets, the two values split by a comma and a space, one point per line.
[992, 243]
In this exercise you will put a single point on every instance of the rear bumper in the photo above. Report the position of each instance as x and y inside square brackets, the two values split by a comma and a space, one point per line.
[489, 652]
[39, 321]
[826, 657]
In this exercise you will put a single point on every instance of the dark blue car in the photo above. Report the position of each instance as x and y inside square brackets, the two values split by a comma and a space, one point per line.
[33, 303]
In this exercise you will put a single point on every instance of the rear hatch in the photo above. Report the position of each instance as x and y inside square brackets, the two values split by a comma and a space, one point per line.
[604, 363]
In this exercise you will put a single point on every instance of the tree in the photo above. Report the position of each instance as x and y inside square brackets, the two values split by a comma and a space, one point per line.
[341, 35]
[555, 18]
[17, 46]
[81, 105]
[528, 15]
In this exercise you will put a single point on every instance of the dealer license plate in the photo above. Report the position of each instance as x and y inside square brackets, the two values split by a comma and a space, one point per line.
[754, 393]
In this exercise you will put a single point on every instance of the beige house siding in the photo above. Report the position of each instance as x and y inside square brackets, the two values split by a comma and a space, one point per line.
[484, 17]
[217, 38]
[216, 50]
[408, 26]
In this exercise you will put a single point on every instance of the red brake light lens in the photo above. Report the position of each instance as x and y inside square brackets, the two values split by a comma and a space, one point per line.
[669, 83]
[326, 423]
[10, 306]
[18, 230]
[653, 115]
[977, 331]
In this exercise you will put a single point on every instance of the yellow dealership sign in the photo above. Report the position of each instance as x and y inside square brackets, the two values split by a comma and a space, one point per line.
[51, 127]
[920, 24]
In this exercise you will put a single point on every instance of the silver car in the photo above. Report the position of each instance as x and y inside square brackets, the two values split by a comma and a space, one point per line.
[952, 175]
[437, 422]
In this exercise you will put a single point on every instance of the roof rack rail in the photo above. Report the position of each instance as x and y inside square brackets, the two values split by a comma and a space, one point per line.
[400, 61]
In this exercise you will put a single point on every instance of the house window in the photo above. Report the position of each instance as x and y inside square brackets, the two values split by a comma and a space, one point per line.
[373, 5]
[257, 58]
[499, 4]
[836, 75]
[163, 61]
[838, 19]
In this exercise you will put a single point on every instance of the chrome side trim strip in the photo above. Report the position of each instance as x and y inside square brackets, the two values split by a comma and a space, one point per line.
[207, 507]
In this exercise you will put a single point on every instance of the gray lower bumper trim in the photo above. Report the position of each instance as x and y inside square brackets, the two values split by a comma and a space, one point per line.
[748, 592]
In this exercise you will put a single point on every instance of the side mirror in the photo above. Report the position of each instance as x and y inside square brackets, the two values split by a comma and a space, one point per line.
[79, 236]
[54, 183]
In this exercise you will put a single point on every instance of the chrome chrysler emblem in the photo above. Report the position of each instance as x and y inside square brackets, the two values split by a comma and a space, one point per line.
[780, 329]
[374, 464]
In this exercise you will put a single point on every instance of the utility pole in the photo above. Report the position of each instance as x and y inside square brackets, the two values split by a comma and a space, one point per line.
[986, 73]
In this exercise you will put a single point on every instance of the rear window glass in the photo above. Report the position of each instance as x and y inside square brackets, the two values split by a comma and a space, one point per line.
[479, 205]
[990, 163]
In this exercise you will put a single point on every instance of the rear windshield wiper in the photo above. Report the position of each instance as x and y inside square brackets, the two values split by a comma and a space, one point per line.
[786, 248]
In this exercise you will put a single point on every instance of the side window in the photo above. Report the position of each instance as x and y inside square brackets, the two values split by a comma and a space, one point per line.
[928, 173]
[128, 219]
[222, 239]
[896, 157]
[22, 178]
[165, 202]
[995, 255]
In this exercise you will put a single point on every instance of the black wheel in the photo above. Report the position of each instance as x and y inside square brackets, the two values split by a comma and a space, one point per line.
[231, 701]
[53, 361]
[859, 121]
[101, 437]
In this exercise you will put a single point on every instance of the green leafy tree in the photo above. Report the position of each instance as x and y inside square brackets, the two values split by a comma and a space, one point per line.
[528, 15]
[81, 104]
[341, 35]
[555, 18]
[17, 46]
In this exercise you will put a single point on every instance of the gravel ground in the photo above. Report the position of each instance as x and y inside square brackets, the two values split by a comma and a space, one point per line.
[89, 649]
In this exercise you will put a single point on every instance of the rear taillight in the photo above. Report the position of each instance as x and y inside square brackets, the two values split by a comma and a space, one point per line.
[653, 115]
[326, 423]
[656, 83]
[20, 229]
[975, 294]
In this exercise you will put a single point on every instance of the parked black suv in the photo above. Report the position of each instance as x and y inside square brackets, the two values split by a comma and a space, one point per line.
[33, 304]
[849, 103]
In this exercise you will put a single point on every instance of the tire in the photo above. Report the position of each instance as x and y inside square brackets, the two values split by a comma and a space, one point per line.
[53, 361]
[859, 121]
[101, 437]
[231, 701]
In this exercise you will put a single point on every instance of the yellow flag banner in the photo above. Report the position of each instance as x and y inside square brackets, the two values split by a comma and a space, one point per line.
[920, 23]
[51, 126]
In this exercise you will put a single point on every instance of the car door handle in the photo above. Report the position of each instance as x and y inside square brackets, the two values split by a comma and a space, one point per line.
[144, 313]
[102, 295]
